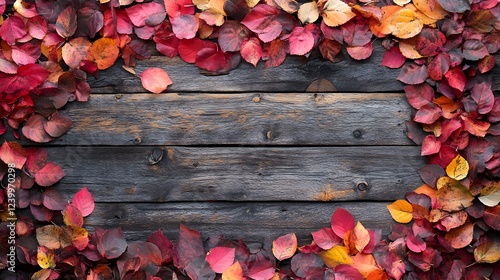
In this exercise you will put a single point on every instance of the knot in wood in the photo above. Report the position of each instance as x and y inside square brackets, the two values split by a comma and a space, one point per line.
[155, 156]
[362, 186]
[358, 133]
[137, 140]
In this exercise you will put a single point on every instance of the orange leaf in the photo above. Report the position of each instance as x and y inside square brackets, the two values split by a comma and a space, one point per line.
[448, 106]
[78, 236]
[405, 24]
[336, 255]
[408, 49]
[401, 211]
[461, 236]
[378, 274]
[365, 264]
[155, 80]
[234, 272]
[382, 27]
[453, 196]
[336, 12]
[74, 51]
[458, 168]
[284, 247]
[430, 8]
[104, 52]
[362, 237]
[49, 236]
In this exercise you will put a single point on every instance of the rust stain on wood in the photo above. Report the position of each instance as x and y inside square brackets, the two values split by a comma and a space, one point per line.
[328, 194]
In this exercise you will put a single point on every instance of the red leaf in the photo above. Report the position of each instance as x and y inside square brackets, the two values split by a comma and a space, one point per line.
[179, 7]
[220, 258]
[50, 174]
[329, 49]
[356, 33]
[473, 125]
[155, 80]
[111, 244]
[262, 20]
[486, 64]
[494, 115]
[474, 50]
[231, 36]
[301, 41]
[12, 28]
[164, 244]
[41, 213]
[415, 243]
[189, 48]
[37, 27]
[58, 125]
[302, 264]
[444, 157]
[211, 59]
[236, 9]
[456, 78]
[261, 270]
[53, 200]
[419, 95]
[430, 145]
[284, 247]
[13, 153]
[342, 222]
[482, 94]
[199, 269]
[28, 77]
[430, 42]
[461, 236]
[492, 217]
[149, 14]
[413, 74]
[72, 216]
[251, 51]
[90, 21]
[425, 260]
[477, 153]
[439, 66]
[66, 22]
[184, 26]
[188, 247]
[325, 238]
[360, 53]
[37, 159]
[393, 58]
[84, 201]
[347, 272]
[34, 129]
[274, 53]
[428, 114]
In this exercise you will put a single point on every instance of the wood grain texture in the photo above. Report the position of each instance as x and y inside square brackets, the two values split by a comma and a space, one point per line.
[294, 75]
[126, 174]
[247, 221]
[240, 119]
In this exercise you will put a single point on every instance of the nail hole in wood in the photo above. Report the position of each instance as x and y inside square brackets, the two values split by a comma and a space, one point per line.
[362, 186]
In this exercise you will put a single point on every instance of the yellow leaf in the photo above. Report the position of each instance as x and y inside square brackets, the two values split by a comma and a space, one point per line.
[490, 195]
[430, 8]
[45, 258]
[308, 12]
[43, 274]
[405, 24]
[401, 2]
[446, 181]
[401, 211]
[335, 256]
[252, 3]
[336, 12]
[458, 168]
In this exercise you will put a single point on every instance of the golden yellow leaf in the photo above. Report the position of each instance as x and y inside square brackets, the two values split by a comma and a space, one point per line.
[308, 12]
[430, 8]
[458, 168]
[252, 3]
[336, 255]
[336, 12]
[490, 195]
[401, 2]
[405, 24]
[408, 49]
[45, 258]
[421, 16]
[401, 211]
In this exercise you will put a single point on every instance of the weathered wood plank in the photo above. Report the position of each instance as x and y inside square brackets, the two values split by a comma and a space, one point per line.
[240, 119]
[125, 174]
[294, 75]
[247, 221]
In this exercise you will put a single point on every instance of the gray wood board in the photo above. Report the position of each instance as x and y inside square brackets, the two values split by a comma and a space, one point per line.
[240, 119]
[295, 74]
[246, 221]
[125, 174]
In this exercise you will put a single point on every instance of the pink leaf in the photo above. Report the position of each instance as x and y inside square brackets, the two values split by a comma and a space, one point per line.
[184, 26]
[34, 129]
[13, 153]
[284, 247]
[413, 74]
[393, 58]
[111, 244]
[482, 94]
[251, 51]
[360, 53]
[301, 41]
[428, 114]
[430, 145]
[262, 20]
[50, 174]
[419, 95]
[220, 258]
[261, 270]
[58, 125]
[155, 80]
[84, 201]
[149, 14]
[325, 238]
[341, 222]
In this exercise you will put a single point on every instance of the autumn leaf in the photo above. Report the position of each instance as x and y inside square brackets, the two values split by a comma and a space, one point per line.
[336, 12]
[72, 216]
[251, 50]
[45, 258]
[49, 236]
[13, 153]
[405, 24]
[401, 211]
[78, 236]
[84, 202]
[234, 272]
[220, 258]
[336, 255]
[325, 238]
[262, 20]
[490, 195]
[488, 252]
[75, 50]
[111, 243]
[104, 52]
[284, 247]
[66, 22]
[461, 236]
[453, 196]
[361, 237]
[149, 14]
[301, 264]
[50, 174]
[155, 80]
[301, 41]
[458, 168]
[455, 6]
[341, 222]
[308, 12]
[57, 125]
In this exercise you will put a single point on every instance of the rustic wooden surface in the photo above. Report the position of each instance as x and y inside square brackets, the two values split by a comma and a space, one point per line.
[249, 154]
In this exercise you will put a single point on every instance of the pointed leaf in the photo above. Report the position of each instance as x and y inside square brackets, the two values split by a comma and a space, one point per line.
[84, 201]
[220, 258]
[50, 174]
[234, 272]
[458, 168]
[341, 222]
[284, 247]
[401, 211]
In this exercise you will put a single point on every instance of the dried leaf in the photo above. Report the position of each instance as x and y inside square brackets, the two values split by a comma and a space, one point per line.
[401, 211]
[155, 80]
[284, 247]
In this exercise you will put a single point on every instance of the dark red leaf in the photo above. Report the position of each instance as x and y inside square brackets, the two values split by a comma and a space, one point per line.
[188, 49]
[199, 269]
[456, 78]
[262, 20]
[444, 157]
[149, 14]
[164, 244]
[189, 246]
[50, 174]
[482, 21]
[414, 132]
[413, 74]
[210, 59]
[274, 53]
[84, 201]
[330, 49]
[236, 9]
[474, 50]
[360, 53]
[90, 21]
[301, 263]
[251, 51]
[53, 200]
[28, 77]
[482, 94]
[184, 26]
[66, 23]
[356, 32]
[419, 95]
[393, 58]
[231, 35]
[428, 114]
[439, 65]
[301, 41]
[341, 222]
[111, 244]
[430, 145]
[430, 173]
[425, 260]
[41, 213]
[430, 42]
[492, 217]
[494, 115]
[455, 6]
[12, 28]
[37, 159]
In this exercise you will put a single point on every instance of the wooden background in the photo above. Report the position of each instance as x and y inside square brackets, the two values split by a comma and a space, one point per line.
[249, 154]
